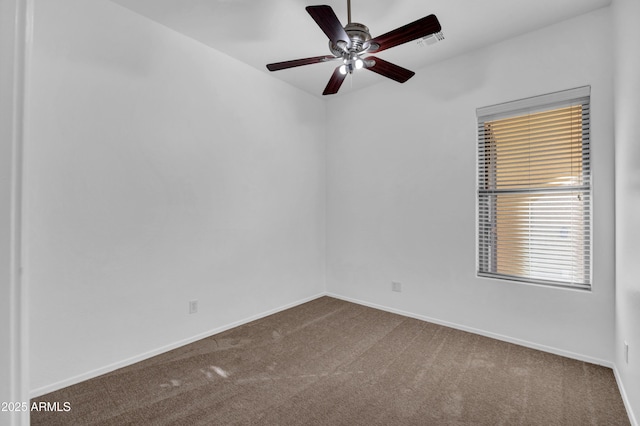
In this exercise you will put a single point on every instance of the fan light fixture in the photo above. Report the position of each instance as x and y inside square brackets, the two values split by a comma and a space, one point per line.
[353, 41]
[350, 65]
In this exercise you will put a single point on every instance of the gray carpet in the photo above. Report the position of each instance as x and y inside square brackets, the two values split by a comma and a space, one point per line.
[330, 362]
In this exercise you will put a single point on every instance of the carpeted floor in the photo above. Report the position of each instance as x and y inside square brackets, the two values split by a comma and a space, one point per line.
[330, 362]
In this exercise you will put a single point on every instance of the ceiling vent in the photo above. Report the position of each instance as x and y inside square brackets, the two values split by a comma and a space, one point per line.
[431, 39]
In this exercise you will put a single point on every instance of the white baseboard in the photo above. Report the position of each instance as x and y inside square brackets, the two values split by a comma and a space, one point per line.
[132, 360]
[625, 398]
[525, 343]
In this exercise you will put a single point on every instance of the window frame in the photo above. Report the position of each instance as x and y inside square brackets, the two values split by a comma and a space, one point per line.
[485, 242]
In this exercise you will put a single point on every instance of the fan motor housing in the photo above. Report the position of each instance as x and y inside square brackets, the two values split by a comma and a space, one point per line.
[359, 35]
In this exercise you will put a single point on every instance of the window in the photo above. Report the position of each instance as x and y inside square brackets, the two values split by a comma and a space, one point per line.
[534, 190]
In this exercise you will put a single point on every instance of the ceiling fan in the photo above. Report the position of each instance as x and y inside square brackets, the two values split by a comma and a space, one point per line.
[351, 42]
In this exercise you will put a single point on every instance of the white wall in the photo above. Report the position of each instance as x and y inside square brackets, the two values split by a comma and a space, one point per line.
[627, 145]
[401, 185]
[159, 171]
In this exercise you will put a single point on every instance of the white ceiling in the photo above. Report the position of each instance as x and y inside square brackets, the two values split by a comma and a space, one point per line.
[258, 32]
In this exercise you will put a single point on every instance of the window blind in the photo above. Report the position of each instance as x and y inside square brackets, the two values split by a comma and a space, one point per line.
[534, 190]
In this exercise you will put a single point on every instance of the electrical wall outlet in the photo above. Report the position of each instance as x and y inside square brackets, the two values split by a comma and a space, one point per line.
[193, 306]
[396, 286]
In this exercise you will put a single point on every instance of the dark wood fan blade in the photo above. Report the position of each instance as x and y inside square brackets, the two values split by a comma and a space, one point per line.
[389, 70]
[299, 62]
[334, 82]
[413, 31]
[327, 20]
